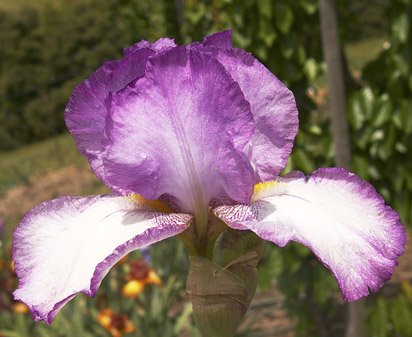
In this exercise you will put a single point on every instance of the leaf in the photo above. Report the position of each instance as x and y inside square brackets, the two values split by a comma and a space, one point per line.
[241, 40]
[360, 166]
[266, 33]
[400, 28]
[283, 17]
[366, 102]
[379, 319]
[311, 69]
[382, 111]
[406, 116]
[407, 289]
[265, 8]
[400, 147]
[184, 319]
[196, 15]
[401, 313]
[360, 107]
[309, 6]
[323, 281]
[302, 161]
[364, 138]
[386, 150]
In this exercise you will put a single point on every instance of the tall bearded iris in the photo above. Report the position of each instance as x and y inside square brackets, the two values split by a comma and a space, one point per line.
[191, 140]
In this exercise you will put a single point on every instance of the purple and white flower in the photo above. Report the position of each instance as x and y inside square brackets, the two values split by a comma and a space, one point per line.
[179, 133]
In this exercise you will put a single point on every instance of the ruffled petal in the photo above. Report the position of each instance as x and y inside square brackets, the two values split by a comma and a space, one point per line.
[86, 111]
[273, 107]
[221, 39]
[163, 43]
[66, 246]
[337, 215]
[180, 131]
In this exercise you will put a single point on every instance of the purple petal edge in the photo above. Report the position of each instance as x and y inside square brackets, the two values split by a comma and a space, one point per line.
[372, 272]
[166, 226]
[367, 191]
[221, 39]
[137, 242]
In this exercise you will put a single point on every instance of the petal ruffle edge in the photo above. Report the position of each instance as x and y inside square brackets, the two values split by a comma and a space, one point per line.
[273, 108]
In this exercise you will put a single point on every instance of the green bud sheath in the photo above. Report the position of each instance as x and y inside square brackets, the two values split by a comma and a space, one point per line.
[222, 290]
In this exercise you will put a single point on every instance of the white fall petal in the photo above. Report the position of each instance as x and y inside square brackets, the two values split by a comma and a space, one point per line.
[68, 245]
[337, 215]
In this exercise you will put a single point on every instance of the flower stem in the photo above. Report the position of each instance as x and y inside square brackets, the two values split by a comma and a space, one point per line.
[210, 247]
[189, 243]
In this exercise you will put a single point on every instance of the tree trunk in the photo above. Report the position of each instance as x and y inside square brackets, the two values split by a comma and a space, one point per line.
[337, 99]
[340, 129]
[173, 12]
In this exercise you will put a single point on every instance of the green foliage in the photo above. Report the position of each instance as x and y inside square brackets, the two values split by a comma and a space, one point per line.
[47, 50]
[309, 289]
[362, 20]
[382, 135]
[284, 38]
[392, 316]
[16, 167]
[380, 116]
[360, 53]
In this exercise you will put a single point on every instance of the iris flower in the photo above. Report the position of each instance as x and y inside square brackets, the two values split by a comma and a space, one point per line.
[183, 135]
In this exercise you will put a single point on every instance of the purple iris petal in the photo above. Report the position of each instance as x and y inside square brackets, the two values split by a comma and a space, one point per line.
[161, 44]
[180, 130]
[66, 246]
[340, 217]
[221, 39]
[274, 111]
[272, 106]
[87, 108]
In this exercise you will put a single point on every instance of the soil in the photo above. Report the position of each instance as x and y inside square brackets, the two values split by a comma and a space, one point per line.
[65, 181]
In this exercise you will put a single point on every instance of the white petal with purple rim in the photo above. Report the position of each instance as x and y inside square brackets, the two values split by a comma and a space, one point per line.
[340, 217]
[68, 245]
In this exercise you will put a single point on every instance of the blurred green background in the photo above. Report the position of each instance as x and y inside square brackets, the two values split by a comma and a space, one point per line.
[49, 46]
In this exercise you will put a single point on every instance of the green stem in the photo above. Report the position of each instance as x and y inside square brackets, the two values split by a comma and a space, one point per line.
[210, 247]
[189, 243]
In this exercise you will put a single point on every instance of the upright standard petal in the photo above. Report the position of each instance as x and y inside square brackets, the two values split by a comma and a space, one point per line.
[66, 246]
[161, 44]
[340, 217]
[221, 39]
[180, 131]
[273, 107]
[87, 109]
